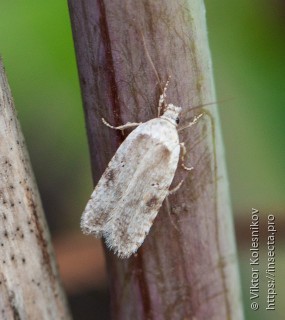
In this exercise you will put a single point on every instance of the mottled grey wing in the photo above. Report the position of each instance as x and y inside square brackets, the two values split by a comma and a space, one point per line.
[130, 192]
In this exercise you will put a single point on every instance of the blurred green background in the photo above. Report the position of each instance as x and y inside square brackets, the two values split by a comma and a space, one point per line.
[247, 40]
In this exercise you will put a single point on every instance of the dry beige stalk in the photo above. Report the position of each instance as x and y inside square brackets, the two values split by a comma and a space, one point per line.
[29, 283]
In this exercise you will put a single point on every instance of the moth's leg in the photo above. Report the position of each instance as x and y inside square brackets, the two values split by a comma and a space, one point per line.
[175, 188]
[195, 120]
[162, 103]
[124, 126]
[183, 150]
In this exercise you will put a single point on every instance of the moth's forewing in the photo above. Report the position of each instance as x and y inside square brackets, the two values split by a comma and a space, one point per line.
[133, 187]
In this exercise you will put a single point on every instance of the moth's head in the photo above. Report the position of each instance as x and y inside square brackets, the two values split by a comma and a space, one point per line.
[171, 113]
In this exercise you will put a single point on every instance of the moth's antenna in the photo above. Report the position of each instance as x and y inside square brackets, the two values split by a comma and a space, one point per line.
[162, 102]
[151, 62]
[195, 120]
[209, 104]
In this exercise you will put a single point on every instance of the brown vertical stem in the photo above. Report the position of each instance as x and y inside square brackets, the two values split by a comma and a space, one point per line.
[186, 268]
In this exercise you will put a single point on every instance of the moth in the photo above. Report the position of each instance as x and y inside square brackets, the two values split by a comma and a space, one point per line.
[130, 192]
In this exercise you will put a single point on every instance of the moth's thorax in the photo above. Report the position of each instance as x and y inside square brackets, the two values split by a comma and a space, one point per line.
[171, 114]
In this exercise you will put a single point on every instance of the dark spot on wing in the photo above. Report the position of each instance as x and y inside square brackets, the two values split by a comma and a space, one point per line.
[142, 136]
[110, 176]
[165, 152]
[152, 202]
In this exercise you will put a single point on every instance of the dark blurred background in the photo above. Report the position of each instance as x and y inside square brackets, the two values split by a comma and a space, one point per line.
[247, 40]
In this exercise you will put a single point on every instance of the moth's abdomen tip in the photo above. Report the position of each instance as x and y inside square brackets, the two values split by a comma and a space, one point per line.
[124, 254]
[122, 251]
